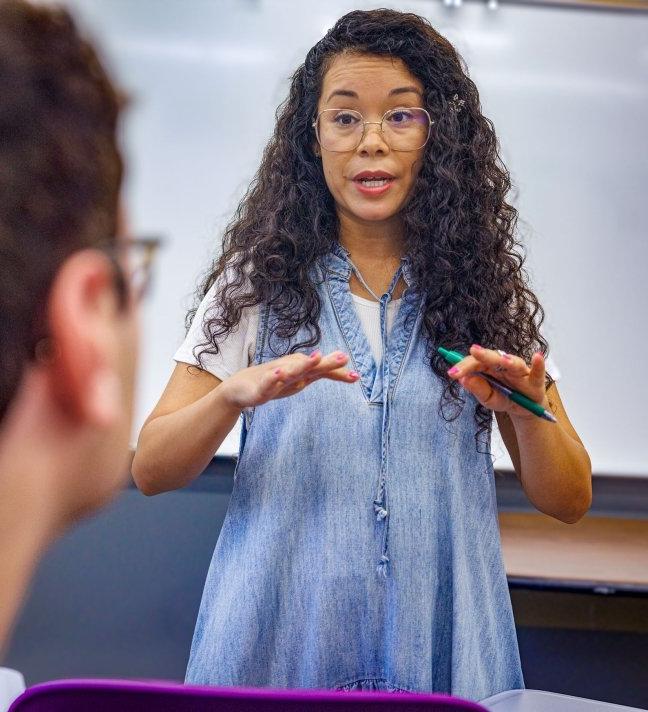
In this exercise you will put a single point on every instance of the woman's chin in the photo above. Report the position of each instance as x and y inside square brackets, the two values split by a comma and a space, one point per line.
[373, 213]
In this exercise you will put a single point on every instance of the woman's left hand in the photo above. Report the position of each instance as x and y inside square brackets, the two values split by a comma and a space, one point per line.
[512, 371]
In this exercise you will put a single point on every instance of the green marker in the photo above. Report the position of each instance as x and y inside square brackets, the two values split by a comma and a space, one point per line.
[453, 357]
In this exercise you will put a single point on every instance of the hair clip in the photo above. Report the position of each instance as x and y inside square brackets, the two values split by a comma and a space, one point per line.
[456, 104]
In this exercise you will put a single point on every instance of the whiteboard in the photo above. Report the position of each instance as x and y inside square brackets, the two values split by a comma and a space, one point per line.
[567, 90]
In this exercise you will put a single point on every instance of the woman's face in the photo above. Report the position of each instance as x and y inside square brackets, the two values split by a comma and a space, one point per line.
[371, 85]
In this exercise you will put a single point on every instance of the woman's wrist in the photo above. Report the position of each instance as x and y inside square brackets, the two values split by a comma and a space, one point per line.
[527, 419]
[225, 397]
[518, 414]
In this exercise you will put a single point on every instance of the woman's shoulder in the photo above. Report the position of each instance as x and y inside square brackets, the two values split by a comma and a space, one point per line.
[552, 367]
[236, 349]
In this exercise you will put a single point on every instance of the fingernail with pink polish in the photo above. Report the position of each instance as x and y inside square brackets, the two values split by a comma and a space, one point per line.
[453, 371]
[340, 357]
[477, 346]
[507, 357]
[354, 374]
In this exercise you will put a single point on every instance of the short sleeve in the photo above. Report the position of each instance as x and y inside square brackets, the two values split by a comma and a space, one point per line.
[236, 349]
[552, 368]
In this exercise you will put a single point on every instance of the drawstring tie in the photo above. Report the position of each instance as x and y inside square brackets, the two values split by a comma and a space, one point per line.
[380, 502]
[381, 509]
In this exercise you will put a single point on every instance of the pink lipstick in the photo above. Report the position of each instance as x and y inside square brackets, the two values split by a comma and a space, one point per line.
[373, 182]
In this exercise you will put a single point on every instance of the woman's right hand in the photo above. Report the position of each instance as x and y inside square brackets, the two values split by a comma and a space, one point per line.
[284, 377]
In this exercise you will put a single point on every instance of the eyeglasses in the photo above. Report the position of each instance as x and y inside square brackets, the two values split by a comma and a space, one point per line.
[133, 260]
[403, 129]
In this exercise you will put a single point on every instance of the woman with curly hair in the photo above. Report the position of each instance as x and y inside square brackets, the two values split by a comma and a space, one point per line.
[361, 550]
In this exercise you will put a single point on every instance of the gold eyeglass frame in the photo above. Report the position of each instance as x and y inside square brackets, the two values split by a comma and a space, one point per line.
[315, 126]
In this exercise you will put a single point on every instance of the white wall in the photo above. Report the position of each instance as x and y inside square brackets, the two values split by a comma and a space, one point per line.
[567, 90]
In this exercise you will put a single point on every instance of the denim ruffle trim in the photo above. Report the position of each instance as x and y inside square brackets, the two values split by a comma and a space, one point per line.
[370, 684]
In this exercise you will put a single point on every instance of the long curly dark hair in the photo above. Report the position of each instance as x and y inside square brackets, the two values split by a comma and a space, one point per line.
[459, 230]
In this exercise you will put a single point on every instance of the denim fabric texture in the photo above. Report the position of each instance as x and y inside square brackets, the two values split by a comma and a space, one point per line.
[361, 547]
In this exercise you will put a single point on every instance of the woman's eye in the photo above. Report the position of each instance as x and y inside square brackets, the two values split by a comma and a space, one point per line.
[345, 119]
[401, 116]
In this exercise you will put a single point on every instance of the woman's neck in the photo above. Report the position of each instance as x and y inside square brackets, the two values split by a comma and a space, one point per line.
[371, 241]
[376, 250]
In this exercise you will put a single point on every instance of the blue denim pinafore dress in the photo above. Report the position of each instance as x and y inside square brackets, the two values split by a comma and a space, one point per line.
[360, 550]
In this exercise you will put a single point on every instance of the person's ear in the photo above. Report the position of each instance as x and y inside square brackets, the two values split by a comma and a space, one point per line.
[83, 317]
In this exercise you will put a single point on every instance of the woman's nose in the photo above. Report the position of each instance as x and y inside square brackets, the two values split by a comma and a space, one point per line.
[373, 140]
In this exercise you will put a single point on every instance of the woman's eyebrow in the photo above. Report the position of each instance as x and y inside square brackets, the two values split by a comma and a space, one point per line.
[343, 92]
[393, 92]
[405, 90]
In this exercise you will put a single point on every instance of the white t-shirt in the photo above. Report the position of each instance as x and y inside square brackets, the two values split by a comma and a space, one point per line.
[237, 349]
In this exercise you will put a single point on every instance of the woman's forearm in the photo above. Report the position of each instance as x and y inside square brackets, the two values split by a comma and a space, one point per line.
[174, 449]
[556, 471]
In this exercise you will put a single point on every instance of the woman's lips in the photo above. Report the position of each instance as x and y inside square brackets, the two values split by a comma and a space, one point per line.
[376, 183]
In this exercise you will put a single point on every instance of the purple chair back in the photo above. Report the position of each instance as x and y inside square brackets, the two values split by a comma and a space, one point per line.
[132, 696]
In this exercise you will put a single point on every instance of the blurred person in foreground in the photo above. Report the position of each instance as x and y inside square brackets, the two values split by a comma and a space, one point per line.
[67, 303]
